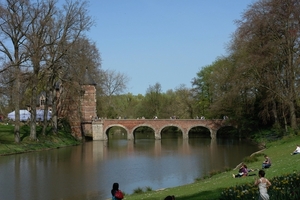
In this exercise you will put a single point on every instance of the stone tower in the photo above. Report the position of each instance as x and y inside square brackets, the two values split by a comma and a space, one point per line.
[88, 103]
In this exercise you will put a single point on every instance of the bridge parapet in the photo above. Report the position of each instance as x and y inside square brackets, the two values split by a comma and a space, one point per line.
[130, 125]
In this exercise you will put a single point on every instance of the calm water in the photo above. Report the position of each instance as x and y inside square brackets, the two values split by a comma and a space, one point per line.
[88, 171]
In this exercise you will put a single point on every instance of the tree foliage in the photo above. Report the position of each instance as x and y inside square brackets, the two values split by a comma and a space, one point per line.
[258, 81]
[44, 37]
[256, 84]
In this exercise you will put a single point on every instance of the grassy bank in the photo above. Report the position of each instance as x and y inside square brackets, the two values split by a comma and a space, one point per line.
[210, 188]
[47, 141]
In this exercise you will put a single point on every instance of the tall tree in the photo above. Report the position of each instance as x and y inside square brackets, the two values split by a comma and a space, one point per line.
[152, 101]
[41, 34]
[68, 26]
[14, 22]
[113, 84]
[201, 90]
[184, 103]
[41, 16]
[268, 36]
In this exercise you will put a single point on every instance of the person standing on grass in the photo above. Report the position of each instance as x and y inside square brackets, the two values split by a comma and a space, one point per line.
[263, 185]
[116, 193]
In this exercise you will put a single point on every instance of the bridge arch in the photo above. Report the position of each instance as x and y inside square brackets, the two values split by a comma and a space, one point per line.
[170, 125]
[115, 125]
[132, 135]
[198, 126]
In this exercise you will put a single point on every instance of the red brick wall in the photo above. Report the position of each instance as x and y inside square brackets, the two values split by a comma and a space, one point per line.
[79, 108]
[88, 103]
[88, 108]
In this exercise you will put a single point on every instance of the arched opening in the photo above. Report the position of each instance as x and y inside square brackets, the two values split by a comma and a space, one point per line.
[116, 133]
[143, 132]
[199, 132]
[171, 132]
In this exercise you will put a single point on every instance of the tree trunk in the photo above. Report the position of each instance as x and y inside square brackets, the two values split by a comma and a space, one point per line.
[285, 122]
[17, 106]
[45, 122]
[33, 109]
[54, 111]
[274, 110]
[293, 116]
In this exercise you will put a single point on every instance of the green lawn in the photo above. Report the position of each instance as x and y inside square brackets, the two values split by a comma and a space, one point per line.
[211, 188]
[48, 141]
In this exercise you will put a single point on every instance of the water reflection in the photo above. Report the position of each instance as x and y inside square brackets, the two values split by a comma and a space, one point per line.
[88, 171]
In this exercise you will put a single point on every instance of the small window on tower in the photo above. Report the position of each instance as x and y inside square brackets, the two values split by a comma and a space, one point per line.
[42, 101]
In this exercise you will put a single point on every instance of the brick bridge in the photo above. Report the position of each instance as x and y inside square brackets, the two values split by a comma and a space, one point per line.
[100, 127]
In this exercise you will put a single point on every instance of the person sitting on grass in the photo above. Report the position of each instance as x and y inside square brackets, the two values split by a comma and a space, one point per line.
[267, 163]
[242, 172]
[248, 169]
[296, 151]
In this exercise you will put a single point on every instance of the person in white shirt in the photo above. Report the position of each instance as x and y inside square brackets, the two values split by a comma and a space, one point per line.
[263, 185]
[296, 151]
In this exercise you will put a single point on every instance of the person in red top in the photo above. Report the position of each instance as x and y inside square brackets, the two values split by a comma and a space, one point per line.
[114, 191]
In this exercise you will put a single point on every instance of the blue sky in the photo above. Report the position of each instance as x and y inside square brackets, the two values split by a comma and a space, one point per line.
[162, 41]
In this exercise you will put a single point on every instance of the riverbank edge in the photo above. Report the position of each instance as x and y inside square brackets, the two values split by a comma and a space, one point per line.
[40, 149]
[166, 189]
[43, 143]
[212, 186]
[257, 152]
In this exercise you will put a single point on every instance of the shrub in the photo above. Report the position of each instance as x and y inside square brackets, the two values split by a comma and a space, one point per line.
[138, 190]
[148, 189]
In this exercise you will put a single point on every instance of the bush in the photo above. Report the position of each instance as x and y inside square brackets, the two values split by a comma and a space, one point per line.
[148, 189]
[138, 190]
